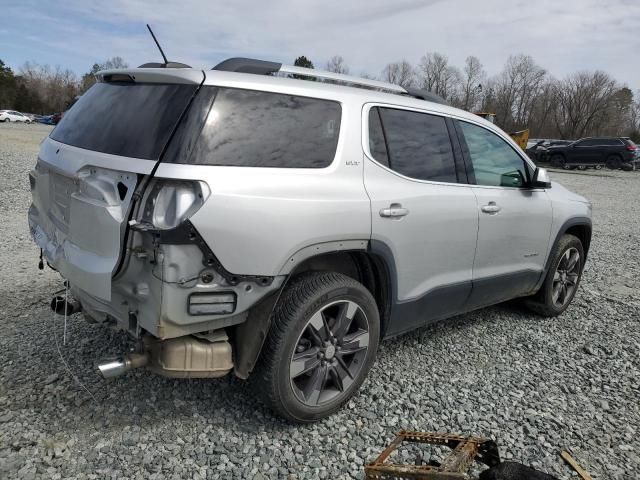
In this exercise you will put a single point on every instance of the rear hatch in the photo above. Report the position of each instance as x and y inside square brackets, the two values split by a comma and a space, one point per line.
[89, 167]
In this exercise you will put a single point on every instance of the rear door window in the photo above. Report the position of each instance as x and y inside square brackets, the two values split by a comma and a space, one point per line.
[122, 118]
[418, 145]
[248, 128]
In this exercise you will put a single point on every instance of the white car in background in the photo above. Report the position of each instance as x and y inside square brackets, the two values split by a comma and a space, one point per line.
[13, 116]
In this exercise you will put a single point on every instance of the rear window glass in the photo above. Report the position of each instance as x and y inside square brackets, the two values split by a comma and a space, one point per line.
[128, 119]
[249, 128]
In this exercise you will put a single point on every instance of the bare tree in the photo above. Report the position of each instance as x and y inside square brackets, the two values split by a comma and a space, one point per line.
[400, 73]
[437, 76]
[336, 64]
[55, 88]
[584, 101]
[516, 90]
[474, 76]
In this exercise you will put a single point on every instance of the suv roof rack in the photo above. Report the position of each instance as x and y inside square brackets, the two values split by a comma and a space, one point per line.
[263, 67]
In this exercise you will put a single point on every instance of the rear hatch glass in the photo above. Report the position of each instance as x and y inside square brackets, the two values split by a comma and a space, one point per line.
[123, 118]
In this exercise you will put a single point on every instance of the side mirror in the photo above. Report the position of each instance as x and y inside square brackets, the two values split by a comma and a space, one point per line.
[541, 179]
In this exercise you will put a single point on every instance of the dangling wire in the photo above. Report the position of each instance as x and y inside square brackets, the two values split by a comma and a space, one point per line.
[64, 362]
[66, 304]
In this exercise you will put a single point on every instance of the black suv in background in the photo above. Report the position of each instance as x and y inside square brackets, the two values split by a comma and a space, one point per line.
[614, 152]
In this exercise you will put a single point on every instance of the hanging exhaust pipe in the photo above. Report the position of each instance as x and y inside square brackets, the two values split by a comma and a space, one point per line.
[58, 304]
[115, 367]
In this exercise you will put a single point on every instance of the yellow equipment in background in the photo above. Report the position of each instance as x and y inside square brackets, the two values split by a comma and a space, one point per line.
[521, 137]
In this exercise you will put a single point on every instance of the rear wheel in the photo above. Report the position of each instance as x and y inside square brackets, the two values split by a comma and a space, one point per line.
[598, 167]
[614, 162]
[321, 345]
[562, 280]
[582, 167]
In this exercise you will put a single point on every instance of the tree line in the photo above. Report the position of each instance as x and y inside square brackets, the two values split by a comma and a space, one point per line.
[44, 90]
[522, 95]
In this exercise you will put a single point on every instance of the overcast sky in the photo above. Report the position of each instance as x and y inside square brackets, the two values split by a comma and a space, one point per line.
[563, 36]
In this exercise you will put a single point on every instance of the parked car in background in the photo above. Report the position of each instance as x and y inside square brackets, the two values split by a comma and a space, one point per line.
[13, 116]
[537, 150]
[614, 152]
[51, 119]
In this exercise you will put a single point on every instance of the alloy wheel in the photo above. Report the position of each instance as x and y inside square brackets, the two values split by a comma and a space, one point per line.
[565, 278]
[330, 353]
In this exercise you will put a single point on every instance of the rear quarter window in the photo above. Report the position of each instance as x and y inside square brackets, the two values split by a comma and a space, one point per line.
[249, 128]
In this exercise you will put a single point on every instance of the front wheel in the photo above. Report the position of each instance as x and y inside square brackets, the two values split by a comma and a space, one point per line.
[322, 343]
[562, 280]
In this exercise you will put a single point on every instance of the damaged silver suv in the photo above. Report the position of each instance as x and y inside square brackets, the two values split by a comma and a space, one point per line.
[240, 220]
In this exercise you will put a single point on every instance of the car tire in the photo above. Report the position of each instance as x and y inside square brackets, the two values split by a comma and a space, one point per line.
[598, 167]
[613, 162]
[304, 372]
[562, 279]
[557, 161]
[582, 167]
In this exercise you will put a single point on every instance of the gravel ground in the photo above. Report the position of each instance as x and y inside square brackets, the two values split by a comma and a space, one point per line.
[536, 385]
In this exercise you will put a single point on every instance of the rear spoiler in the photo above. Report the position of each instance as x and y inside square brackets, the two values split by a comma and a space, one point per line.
[152, 75]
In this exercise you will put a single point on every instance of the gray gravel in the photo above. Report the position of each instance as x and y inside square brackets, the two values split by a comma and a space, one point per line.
[536, 385]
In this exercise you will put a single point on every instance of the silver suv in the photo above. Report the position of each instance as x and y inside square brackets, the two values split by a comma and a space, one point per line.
[241, 220]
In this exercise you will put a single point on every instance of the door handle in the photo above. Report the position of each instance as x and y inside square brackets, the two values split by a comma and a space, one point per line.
[491, 208]
[395, 210]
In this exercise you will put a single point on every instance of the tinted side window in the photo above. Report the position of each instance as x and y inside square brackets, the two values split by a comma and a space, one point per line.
[250, 128]
[610, 142]
[419, 145]
[494, 162]
[590, 142]
[377, 145]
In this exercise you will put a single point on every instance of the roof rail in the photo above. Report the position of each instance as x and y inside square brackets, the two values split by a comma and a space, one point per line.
[423, 94]
[248, 65]
[339, 77]
[262, 67]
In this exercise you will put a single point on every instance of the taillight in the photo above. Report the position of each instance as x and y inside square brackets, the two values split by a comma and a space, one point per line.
[171, 202]
[632, 148]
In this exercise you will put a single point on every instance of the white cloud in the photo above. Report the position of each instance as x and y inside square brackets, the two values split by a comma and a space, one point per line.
[562, 37]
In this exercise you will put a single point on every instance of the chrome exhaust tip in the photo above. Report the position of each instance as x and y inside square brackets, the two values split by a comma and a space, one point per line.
[115, 367]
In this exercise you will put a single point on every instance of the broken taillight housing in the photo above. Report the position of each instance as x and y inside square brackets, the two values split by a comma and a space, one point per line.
[171, 202]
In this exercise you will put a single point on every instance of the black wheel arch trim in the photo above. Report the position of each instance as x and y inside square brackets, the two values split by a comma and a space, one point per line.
[568, 224]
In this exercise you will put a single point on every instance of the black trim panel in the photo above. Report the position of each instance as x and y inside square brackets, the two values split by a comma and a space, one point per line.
[500, 288]
[437, 304]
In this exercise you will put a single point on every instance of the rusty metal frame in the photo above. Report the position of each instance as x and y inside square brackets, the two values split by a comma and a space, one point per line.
[464, 451]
